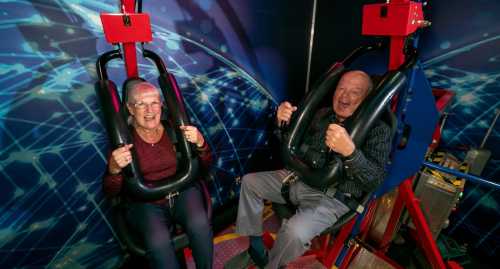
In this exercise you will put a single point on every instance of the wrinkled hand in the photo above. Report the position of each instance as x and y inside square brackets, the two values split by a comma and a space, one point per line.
[193, 135]
[120, 158]
[284, 113]
[338, 140]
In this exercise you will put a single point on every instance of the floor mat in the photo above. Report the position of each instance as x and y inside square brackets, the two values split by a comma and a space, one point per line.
[228, 244]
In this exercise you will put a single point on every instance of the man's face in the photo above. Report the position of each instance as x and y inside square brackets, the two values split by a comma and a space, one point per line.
[351, 91]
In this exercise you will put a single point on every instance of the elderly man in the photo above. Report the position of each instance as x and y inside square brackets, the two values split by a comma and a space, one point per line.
[316, 210]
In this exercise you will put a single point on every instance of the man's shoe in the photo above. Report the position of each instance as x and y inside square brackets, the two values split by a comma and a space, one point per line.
[246, 259]
[239, 261]
[260, 259]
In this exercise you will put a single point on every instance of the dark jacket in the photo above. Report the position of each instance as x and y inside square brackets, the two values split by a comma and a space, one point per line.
[364, 170]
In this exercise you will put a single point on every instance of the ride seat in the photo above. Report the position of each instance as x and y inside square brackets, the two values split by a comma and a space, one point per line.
[130, 240]
[284, 211]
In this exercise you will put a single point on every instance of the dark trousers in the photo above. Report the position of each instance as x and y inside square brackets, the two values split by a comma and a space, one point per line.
[154, 222]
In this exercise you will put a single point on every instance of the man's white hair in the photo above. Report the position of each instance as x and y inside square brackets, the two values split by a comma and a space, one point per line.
[365, 76]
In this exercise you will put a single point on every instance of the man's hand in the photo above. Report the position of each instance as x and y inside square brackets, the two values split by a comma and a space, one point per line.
[338, 140]
[284, 113]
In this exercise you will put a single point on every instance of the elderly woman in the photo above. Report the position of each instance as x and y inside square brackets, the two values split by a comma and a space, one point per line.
[157, 159]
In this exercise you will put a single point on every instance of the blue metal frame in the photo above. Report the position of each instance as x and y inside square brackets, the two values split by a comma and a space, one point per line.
[459, 174]
[417, 110]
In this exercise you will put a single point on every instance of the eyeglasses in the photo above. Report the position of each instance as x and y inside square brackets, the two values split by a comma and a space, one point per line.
[153, 105]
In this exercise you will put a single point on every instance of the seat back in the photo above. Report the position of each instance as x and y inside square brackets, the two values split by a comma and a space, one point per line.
[129, 238]
[127, 85]
[113, 113]
[284, 211]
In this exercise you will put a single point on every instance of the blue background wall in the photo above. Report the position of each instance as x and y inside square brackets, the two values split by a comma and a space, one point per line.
[234, 60]
[230, 65]
[461, 52]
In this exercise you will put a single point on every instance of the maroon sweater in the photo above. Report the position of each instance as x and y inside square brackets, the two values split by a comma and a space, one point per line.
[157, 161]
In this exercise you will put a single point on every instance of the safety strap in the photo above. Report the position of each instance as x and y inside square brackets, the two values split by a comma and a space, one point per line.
[331, 192]
[347, 200]
[285, 189]
[170, 133]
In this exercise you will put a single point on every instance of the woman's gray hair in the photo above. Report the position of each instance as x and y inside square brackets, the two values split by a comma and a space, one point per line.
[135, 86]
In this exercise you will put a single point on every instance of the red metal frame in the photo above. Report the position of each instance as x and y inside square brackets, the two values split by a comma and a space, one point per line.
[129, 51]
[392, 223]
[351, 253]
[336, 248]
[423, 231]
[397, 19]
[127, 28]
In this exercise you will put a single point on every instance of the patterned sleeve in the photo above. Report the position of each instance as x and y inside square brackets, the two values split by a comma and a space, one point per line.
[366, 166]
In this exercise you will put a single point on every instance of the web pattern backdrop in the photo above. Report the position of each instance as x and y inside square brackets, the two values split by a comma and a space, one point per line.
[470, 70]
[53, 144]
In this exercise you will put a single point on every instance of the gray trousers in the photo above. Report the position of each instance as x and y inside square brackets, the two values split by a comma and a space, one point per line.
[316, 212]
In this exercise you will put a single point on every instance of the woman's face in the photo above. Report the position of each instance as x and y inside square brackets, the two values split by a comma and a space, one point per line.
[146, 108]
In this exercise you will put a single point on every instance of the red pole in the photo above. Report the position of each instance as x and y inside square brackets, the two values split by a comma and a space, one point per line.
[397, 56]
[129, 50]
[422, 229]
[334, 252]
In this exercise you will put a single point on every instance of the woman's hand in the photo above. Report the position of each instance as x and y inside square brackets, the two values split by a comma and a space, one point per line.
[193, 135]
[120, 158]
[284, 113]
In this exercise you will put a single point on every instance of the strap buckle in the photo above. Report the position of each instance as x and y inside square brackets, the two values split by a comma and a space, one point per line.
[350, 202]
[170, 198]
[330, 192]
[290, 179]
[287, 181]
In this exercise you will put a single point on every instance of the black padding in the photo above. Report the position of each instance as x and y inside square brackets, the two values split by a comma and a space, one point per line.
[357, 125]
[284, 211]
[116, 115]
[116, 125]
[374, 107]
[188, 169]
[127, 86]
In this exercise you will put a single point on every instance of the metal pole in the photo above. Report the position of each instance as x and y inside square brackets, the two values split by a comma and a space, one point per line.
[490, 129]
[469, 177]
[311, 42]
